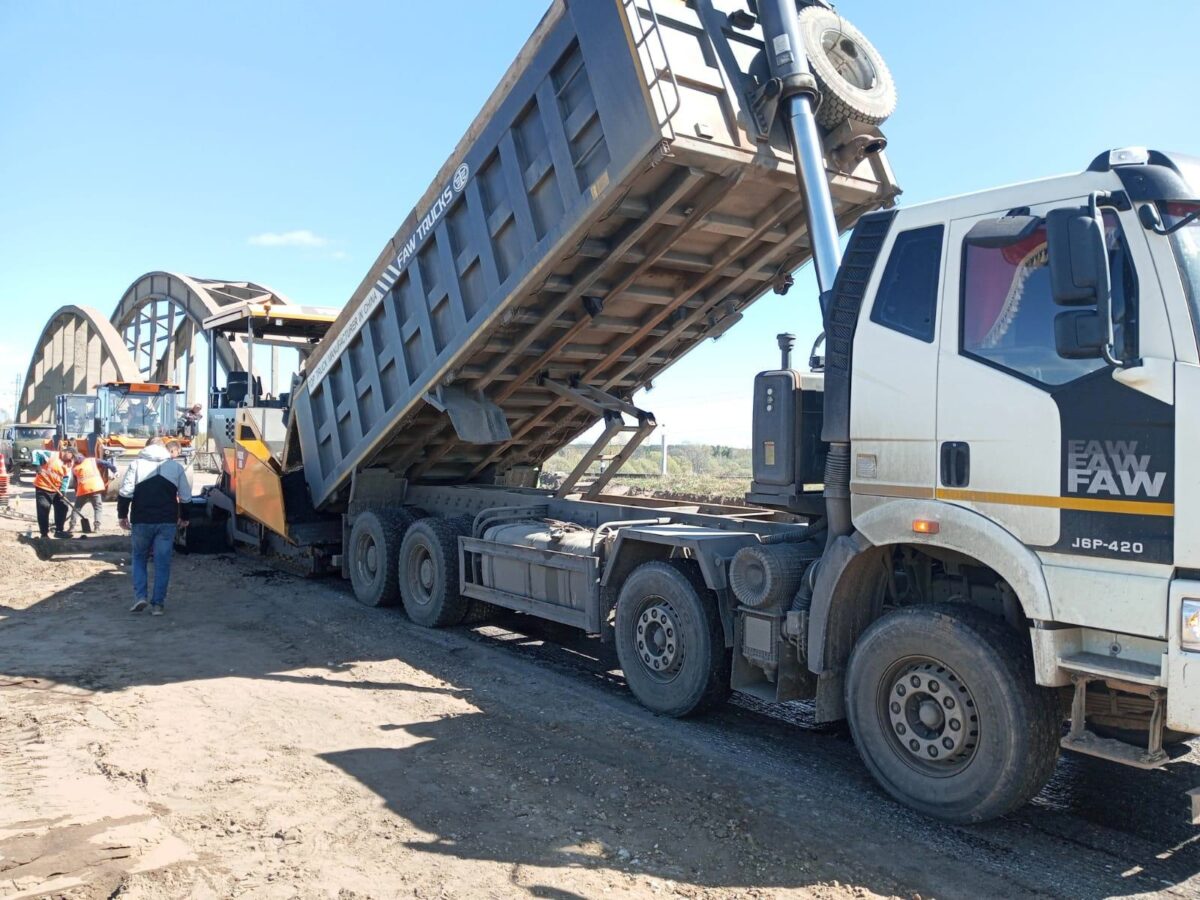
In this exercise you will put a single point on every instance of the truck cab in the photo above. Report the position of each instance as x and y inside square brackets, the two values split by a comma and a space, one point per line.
[1018, 370]
[75, 416]
[19, 441]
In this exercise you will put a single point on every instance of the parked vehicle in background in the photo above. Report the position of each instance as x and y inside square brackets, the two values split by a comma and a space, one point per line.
[119, 418]
[18, 441]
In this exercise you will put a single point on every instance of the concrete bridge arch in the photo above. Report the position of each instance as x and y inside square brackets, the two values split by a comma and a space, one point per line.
[152, 335]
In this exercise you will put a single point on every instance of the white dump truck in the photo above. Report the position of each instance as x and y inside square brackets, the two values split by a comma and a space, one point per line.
[970, 530]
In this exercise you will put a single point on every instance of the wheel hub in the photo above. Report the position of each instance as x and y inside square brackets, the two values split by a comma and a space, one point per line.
[932, 714]
[848, 58]
[371, 559]
[426, 574]
[658, 643]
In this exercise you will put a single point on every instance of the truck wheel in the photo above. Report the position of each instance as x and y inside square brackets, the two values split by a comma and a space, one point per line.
[669, 639]
[854, 80]
[946, 714]
[478, 611]
[428, 574]
[374, 548]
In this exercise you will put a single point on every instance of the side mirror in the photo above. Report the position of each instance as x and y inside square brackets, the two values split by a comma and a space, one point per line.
[1079, 334]
[1079, 275]
[1078, 257]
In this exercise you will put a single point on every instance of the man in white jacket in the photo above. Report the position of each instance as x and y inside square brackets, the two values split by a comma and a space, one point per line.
[151, 503]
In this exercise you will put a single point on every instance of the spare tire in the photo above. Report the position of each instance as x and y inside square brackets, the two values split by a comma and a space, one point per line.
[854, 80]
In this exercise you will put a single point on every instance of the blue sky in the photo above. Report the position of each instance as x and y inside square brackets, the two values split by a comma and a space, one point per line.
[141, 136]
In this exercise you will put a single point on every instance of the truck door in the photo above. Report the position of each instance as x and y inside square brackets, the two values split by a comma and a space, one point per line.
[1075, 463]
[894, 380]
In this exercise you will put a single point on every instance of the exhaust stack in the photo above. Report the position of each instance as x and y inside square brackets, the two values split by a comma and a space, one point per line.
[786, 343]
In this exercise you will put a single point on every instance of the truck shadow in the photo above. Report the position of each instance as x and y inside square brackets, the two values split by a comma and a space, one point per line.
[487, 788]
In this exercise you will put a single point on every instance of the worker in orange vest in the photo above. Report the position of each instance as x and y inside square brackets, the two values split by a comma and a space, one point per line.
[91, 479]
[48, 484]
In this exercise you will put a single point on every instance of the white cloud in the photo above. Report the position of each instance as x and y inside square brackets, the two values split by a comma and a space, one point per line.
[300, 238]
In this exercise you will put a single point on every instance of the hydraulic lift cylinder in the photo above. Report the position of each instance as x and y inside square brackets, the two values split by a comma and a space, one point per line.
[798, 91]
[822, 227]
[788, 63]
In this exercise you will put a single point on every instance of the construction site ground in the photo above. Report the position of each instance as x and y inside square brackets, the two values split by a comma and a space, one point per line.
[270, 737]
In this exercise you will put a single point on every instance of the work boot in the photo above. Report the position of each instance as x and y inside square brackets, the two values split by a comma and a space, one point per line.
[138, 606]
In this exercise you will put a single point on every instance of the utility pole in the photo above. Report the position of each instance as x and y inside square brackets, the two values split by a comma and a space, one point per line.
[664, 450]
[16, 396]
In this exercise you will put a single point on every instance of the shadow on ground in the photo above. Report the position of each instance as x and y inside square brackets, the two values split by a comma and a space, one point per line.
[559, 767]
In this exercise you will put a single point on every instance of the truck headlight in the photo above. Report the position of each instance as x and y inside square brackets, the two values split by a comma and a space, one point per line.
[1189, 633]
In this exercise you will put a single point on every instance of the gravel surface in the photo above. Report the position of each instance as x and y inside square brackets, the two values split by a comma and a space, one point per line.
[270, 737]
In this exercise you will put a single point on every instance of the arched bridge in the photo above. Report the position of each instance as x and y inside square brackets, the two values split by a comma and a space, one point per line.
[152, 335]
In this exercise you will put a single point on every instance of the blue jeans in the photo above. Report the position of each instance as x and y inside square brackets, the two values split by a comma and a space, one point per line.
[158, 540]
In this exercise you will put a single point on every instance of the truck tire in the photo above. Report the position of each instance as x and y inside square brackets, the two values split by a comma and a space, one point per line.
[669, 639]
[854, 80]
[478, 611]
[428, 574]
[375, 539]
[462, 523]
[946, 713]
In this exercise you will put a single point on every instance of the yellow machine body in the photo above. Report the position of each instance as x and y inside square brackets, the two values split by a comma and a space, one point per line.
[255, 477]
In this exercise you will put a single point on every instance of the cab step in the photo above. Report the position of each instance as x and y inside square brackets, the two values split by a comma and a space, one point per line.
[1081, 740]
[1116, 751]
[1100, 666]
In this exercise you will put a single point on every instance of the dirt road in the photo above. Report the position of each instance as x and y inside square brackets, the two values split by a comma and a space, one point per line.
[269, 737]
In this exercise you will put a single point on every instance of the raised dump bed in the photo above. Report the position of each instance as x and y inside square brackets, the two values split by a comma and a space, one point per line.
[613, 205]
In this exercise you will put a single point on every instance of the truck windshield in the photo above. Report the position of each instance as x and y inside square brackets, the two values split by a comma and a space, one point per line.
[1186, 244]
[140, 415]
[40, 433]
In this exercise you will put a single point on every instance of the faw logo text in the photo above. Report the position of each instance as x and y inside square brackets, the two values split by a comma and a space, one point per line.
[1111, 468]
[432, 217]
[389, 276]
